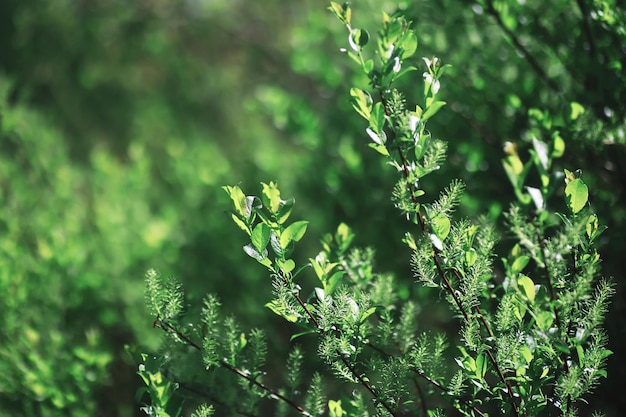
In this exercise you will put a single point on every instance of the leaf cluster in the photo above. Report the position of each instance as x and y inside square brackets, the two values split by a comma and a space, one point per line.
[529, 340]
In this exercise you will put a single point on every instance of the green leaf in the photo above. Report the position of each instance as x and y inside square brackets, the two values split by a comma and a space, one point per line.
[284, 211]
[519, 264]
[432, 110]
[528, 286]
[408, 44]
[576, 109]
[358, 38]
[300, 269]
[381, 149]
[577, 194]
[271, 196]
[362, 102]
[481, 366]
[441, 226]
[286, 266]
[544, 320]
[238, 199]
[243, 226]
[470, 257]
[293, 232]
[377, 118]
[526, 354]
[297, 335]
[581, 356]
[280, 311]
[260, 236]
[558, 146]
[331, 284]
[343, 13]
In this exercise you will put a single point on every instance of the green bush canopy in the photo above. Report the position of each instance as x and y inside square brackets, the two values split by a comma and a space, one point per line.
[462, 163]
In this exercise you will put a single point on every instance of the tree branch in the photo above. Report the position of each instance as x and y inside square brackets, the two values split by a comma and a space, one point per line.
[521, 48]
[168, 327]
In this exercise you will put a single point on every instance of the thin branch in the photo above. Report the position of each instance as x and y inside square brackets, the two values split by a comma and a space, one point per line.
[553, 301]
[166, 326]
[213, 399]
[445, 390]
[521, 48]
[347, 364]
[444, 278]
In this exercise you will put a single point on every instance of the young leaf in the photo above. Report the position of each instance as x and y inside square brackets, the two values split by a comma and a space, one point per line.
[260, 236]
[287, 266]
[441, 226]
[334, 409]
[358, 38]
[343, 13]
[576, 193]
[471, 256]
[558, 145]
[541, 150]
[528, 286]
[362, 102]
[284, 210]
[260, 256]
[293, 233]
[377, 119]
[432, 109]
[243, 226]
[238, 198]
[576, 109]
[519, 264]
[281, 311]
[271, 197]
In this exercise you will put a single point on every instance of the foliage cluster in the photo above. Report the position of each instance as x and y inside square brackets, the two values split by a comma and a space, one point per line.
[114, 142]
[531, 342]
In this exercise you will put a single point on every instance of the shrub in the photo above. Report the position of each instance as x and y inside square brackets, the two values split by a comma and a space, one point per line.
[529, 338]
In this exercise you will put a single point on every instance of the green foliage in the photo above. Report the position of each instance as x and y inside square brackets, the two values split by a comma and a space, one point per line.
[530, 343]
[114, 142]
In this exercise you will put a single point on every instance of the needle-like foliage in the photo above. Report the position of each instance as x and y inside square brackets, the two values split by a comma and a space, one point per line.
[528, 337]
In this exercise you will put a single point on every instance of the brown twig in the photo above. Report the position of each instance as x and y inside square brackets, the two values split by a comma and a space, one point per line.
[166, 326]
[343, 359]
[444, 278]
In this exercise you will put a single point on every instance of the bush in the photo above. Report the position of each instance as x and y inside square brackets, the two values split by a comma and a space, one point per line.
[530, 338]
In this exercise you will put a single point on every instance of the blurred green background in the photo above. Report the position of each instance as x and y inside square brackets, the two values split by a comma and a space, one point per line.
[121, 120]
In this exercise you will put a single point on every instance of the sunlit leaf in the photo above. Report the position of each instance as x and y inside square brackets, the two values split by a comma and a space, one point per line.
[260, 236]
[293, 232]
[362, 102]
[432, 109]
[577, 194]
[528, 286]
[271, 196]
[441, 226]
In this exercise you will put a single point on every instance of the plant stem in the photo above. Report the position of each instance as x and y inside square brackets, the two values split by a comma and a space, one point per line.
[521, 48]
[166, 326]
[347, 364]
